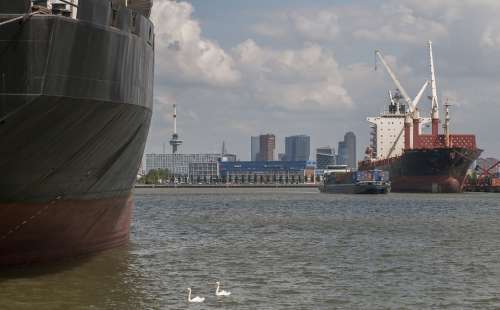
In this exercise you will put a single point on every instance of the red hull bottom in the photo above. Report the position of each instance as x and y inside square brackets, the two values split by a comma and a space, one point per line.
[426, 184]
[62, 228]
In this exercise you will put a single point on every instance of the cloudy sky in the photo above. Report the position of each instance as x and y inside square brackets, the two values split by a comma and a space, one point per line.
[238, 68]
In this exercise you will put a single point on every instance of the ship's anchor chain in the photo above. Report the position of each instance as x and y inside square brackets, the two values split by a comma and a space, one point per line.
[31, 218]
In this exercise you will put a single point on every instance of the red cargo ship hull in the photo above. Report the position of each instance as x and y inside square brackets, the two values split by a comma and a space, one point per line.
[35, 232]
[428, 170]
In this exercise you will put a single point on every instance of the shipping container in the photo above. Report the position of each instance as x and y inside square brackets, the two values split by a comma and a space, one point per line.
[371, 175]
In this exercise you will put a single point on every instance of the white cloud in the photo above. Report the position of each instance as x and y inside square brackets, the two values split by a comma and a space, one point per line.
[183, 54]
[302, 79]
[472, 17]
[490, 37]
[322, 25]
[393, 22]
[308, 25]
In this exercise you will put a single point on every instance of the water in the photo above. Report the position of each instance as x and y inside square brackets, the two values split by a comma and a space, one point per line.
[283, 249]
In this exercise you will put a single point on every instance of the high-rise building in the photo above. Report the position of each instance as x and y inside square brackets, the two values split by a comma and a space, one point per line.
[350, 146]
[254, 147]
[342, 154]
[224, 150]
[267, 145]
[347, 151]
[297, 148]
[325, 156]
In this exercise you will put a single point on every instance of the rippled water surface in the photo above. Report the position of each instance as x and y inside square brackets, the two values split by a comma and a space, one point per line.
[283, 249]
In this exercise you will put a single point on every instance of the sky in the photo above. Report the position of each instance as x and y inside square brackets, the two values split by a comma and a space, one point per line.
[238, 68]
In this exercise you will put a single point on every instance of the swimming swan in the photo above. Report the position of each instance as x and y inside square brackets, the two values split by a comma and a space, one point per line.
[196, 299]
[221, 293]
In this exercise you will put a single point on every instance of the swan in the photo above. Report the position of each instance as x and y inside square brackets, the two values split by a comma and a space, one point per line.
[196, 299]
[221, 293]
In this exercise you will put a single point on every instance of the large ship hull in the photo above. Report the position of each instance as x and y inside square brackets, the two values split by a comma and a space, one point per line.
[62, 228]
[436, 170]
[75, 110]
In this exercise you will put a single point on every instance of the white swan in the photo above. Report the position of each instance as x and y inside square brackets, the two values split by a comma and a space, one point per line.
[196, 299]
[221, 293]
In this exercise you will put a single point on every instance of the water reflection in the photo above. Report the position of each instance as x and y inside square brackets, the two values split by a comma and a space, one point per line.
[104, 281]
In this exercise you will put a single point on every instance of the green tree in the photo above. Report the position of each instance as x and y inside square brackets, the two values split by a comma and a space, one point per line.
[156, 176]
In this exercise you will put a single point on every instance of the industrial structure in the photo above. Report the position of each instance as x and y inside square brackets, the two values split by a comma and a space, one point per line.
[485, 177]
[418, 162]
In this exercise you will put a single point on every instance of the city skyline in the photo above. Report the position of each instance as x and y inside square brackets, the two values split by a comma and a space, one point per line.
[297, 64]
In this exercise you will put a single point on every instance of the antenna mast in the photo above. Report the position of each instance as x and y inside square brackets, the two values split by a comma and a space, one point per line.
[175, 142]
[446, 125]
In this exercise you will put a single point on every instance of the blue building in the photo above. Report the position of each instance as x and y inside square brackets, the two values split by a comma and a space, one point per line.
[265, 172]
[297, 148]
[342, 154]
[254, 147]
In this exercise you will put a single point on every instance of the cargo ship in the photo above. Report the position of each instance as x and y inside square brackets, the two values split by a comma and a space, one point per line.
[417, 162]
[76, 93]
[339, 179]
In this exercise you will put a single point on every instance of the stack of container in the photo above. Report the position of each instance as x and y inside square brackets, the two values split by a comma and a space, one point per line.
[371, 176]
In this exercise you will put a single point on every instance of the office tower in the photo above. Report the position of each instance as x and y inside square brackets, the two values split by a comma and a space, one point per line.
[350, 149]
[297, 148]
[267, 145]
[325, 156]
[341, 155]
[254, 147]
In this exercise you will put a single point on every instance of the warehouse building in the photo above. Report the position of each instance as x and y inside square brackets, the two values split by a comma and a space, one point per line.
[267, 172]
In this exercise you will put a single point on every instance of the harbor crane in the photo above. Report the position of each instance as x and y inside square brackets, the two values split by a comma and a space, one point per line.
[412, 104]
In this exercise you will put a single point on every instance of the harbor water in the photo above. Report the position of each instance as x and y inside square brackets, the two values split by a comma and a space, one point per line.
[283, 249]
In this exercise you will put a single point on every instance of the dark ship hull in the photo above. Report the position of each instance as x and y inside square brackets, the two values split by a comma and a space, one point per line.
[368, 188]
[75, 109]
[359, 182]
[434, 170]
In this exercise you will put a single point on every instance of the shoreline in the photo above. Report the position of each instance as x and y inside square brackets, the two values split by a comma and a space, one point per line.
[226, 186]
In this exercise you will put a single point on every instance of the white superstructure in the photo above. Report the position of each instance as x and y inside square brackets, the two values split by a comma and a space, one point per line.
[387, 135]
[387, 138]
